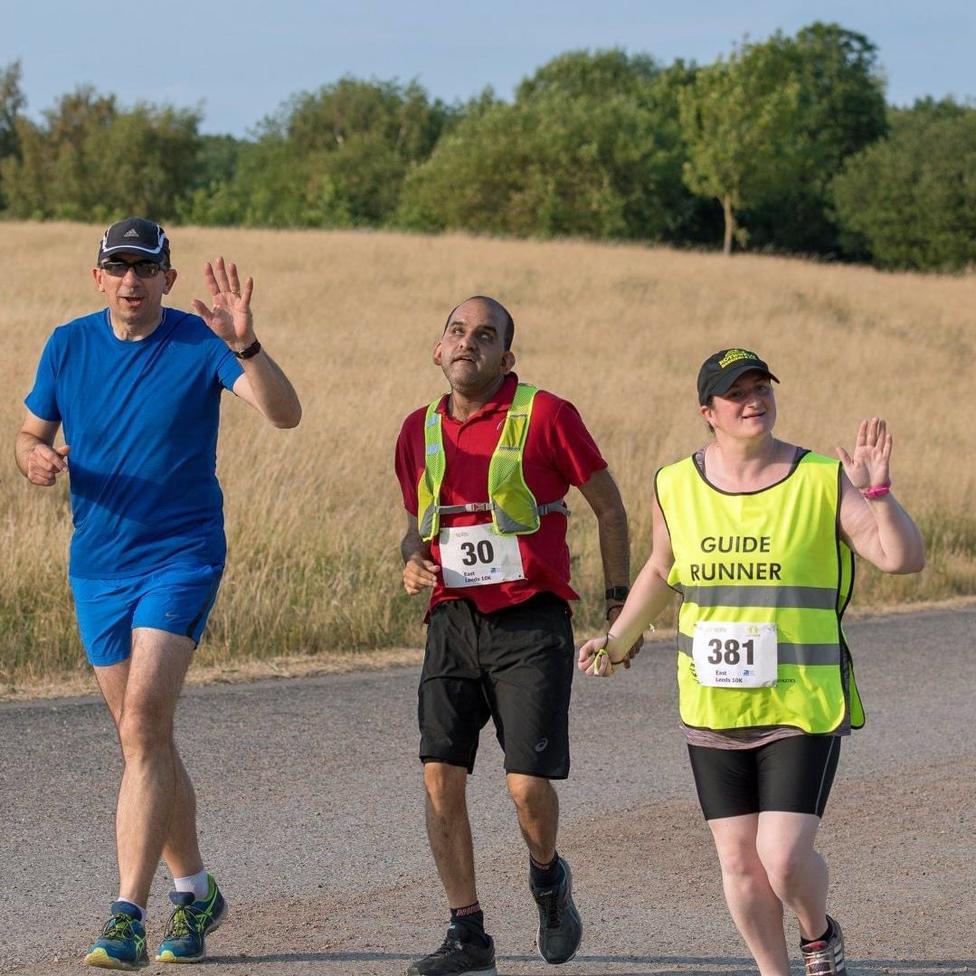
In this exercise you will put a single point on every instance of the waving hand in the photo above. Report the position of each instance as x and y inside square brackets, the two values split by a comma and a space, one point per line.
[230, 318]
[868, 467]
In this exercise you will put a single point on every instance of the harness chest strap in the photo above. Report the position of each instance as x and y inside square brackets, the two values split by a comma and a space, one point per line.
[559, 506]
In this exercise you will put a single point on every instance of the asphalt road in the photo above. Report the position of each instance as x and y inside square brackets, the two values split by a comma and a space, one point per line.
[311, 818]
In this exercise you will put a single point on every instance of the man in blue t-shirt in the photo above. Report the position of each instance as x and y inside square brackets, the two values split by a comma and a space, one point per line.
[137, 388]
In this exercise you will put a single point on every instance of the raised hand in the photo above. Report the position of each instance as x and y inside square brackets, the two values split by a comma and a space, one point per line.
[230, 318]
[868, 467]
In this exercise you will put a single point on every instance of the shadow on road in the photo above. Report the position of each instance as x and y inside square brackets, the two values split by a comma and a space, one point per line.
[658, 965]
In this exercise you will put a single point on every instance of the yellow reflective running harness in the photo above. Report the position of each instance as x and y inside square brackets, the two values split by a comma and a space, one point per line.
[513, 507]
[753, 559]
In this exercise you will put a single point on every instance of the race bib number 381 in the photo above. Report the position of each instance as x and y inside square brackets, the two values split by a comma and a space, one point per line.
[474, 555]
[735, 655]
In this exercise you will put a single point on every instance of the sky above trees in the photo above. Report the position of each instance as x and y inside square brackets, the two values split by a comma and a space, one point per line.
[240, 62]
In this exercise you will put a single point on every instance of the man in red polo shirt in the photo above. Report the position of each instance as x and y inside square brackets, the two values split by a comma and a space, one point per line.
[487, 468]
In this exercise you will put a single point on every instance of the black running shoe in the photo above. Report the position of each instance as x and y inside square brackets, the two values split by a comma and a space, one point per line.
[457, 957]
[560, 928]
[825, 957]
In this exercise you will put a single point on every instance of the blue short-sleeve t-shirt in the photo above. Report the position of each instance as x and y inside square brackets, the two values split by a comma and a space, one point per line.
[141, 420]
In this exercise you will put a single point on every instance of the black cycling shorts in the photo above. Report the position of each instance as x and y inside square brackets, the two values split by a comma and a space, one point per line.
[515, 666]
[792, 775]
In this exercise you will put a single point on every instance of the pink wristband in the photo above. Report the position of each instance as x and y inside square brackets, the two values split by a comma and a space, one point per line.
[877, 491]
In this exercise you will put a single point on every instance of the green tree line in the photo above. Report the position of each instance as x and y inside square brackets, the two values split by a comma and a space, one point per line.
[785, 145]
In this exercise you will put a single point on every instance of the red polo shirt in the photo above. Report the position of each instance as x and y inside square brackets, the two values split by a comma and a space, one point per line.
[559, 452]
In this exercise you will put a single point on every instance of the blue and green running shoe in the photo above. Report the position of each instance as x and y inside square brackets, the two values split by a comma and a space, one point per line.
[190, 922]
[122, 944]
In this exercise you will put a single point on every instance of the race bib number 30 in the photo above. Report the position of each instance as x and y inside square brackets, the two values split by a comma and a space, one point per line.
[474, 555]
[735, 655]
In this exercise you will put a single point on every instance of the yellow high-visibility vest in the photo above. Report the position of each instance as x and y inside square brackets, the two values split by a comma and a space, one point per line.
[776, 556]
[513, 507]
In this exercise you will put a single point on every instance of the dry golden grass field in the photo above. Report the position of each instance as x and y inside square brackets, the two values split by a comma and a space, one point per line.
[314, 516]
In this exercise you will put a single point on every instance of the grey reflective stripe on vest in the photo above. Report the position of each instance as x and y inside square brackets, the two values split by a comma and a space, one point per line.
[803, 654]
[510, 526]
[427, 523]
[783, 597]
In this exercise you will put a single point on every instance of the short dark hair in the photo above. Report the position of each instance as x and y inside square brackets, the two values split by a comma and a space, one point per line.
[508, 323]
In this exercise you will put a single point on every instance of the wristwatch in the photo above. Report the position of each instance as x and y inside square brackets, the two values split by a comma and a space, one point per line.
[616, 592]
[252, 350]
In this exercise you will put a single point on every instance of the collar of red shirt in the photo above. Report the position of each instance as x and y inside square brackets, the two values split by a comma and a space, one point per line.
[499, 403]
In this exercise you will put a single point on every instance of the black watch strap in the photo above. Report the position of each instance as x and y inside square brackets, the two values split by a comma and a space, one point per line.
[252, 350]
[616, 592]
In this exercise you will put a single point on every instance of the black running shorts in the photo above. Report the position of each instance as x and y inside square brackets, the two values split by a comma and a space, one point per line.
[792, 775]
[515, 666]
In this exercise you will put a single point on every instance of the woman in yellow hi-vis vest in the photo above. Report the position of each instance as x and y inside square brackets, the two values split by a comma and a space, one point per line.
[758, 537]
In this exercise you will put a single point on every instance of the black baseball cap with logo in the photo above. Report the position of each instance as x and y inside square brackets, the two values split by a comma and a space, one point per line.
[721, 370]
[138, 236]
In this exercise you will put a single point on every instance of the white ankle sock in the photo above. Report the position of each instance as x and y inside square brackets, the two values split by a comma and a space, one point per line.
[197, 883]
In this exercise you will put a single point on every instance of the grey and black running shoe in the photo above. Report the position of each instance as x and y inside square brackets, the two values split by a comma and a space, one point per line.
[560, 927]
[458, 957]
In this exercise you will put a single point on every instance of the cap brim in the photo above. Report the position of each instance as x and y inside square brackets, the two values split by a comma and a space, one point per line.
[727, 379]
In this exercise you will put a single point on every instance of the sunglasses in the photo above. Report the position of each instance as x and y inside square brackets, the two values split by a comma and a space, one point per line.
[143, 269]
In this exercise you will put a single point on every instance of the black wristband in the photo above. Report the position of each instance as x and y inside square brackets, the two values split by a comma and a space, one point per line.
[616, 593]
[252, 350]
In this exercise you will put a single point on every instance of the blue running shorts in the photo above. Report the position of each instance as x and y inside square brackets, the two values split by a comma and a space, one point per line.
[177, 600]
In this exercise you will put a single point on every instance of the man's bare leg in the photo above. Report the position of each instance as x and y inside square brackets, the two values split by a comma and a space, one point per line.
[537, 808]
[467, 948]
[156, 805]
[449, 831]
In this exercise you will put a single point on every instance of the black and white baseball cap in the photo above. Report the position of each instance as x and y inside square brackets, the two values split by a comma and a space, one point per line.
[138, 235]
